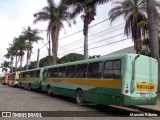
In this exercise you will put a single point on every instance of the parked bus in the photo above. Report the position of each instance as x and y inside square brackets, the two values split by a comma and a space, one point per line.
[13, 79]
[125, 79]
[30, 79]
[5, 80]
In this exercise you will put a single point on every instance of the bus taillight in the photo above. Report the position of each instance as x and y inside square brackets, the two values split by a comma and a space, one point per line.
[126, 91]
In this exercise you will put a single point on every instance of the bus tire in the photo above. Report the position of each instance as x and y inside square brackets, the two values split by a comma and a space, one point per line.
[29, 87]
[79, 97]
[20, 85]
[49, 91]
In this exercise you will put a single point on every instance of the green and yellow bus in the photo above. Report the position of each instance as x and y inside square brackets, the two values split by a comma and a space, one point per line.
[30, 79]
[13, 79]
[124, 79]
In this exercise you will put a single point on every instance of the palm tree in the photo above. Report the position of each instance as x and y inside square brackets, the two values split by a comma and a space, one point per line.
[133, 11]
[56, 15]
[88, 7]
[5, 64]
[11, 53]
[21, 44]
[31, 36]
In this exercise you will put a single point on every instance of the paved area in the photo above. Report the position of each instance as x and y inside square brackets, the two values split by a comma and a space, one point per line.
[153, 107]
[16, 99]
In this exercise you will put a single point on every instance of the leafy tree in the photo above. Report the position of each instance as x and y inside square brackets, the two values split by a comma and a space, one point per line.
[33, 64]
[56, 15]
[71, 58]
[45, 61]
[94, 56]
[88, 8]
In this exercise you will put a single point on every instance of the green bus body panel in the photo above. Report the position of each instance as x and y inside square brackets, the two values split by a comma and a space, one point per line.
[128, 100]
[34, 81]
[109, 91]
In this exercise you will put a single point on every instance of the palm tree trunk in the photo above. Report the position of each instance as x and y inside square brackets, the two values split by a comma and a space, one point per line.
[138, 41]
[21, 58]
[85, 32]
[27, 64]
[27, 59]
[16, 64]
[55, 36]
[153, 32]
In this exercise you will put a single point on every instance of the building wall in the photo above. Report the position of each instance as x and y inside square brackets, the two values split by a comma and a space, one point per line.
[126, 50]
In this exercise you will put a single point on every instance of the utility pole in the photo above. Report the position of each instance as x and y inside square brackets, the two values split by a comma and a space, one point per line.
[11, 64]
[38, 58]
[49, 51]
[153, 32]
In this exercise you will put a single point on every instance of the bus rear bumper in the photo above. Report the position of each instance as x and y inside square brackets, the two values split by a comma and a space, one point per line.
[130, 100]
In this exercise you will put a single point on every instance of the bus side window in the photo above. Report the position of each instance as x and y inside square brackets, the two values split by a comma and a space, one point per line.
[62, 72]
[49, 73]
[112, 69]
[44, 73]
[95, 70]
[81, 71]
[117, 68]
[55, 72]
[37, 73]
[70, 71]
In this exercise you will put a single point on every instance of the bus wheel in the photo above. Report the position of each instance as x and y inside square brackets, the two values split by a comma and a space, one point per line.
[49, 91]
[79, 97]
[20, 85]
[29, 87]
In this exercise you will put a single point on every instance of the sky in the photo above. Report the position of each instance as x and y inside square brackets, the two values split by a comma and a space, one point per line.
[15, 15]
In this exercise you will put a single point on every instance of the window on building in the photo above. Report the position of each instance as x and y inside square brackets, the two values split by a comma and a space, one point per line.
[81, 71]
[95, 70]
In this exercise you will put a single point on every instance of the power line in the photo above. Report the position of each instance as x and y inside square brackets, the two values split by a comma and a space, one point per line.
[95, 34]
[97, 41]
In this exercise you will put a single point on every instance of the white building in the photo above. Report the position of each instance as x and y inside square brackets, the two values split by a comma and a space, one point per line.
[125, 50]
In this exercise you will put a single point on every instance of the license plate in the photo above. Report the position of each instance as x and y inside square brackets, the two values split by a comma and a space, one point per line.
[142, 94]
[147, 87]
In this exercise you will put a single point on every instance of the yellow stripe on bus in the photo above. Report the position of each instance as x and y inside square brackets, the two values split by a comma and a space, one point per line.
[29, 79]
[96, 83]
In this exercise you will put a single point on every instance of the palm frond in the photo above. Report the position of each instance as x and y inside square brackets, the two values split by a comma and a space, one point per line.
[76, 11]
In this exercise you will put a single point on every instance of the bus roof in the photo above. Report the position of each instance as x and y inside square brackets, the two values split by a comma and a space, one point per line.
[109, 57]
